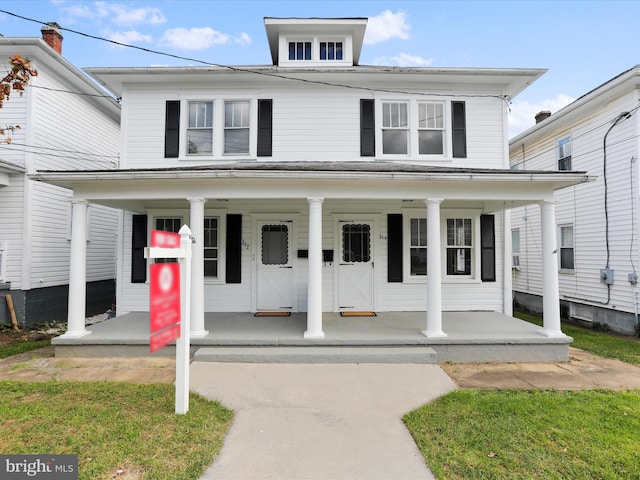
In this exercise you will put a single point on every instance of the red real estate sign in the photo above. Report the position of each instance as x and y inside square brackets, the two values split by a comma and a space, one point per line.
[164, 298]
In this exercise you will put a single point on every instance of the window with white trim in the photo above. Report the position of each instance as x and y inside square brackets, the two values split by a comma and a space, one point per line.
[430, 128]
[564, 153]
[200, 129]
[331, 50]
[211, 246]
[515, 249]
[395, 128]
[300, 50]
[418, 247]
[459, 246]
[167, 224]
[236, 127]
[567, 257]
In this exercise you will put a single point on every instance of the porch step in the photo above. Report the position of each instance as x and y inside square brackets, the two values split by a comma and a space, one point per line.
[317, 354]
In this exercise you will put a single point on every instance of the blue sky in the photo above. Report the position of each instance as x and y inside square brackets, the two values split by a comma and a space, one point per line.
[582, 43]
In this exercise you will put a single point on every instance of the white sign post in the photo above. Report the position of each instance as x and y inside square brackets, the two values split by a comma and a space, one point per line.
[183, 346]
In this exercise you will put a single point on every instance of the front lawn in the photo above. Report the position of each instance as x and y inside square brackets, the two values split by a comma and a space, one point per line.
[532, 434]
[116, 429]
[599, 343]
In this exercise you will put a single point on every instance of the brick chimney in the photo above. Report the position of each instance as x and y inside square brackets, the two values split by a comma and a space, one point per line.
[540, 116]
[52, 36]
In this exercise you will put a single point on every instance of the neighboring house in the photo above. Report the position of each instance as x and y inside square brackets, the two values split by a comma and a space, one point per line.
[597, 223]
[66, 123]
[316, 184]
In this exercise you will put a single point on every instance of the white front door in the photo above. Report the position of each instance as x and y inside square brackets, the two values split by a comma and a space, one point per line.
[355, 266]
[274, 287]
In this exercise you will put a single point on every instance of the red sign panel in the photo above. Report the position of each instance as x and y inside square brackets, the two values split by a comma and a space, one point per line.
[164, 338]
[164, 304]
[165, 239]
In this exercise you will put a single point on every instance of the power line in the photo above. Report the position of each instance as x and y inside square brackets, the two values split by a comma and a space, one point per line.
[66, 151]
[250, 70]
[55, 155]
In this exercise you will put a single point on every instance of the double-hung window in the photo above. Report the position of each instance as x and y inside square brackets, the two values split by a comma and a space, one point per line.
[168, 224]
[395, 128]
[236, 127]
[430, 128]
[566, 248]
[418, 247]
[211, 246]
[515, 249]
[459, 246]
[200, 129]
[564, 153]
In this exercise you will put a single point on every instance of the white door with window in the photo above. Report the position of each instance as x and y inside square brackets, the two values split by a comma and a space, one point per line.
[355, 266]
[274, 279]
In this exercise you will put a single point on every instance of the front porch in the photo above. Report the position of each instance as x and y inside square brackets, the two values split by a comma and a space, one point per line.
[389, 337]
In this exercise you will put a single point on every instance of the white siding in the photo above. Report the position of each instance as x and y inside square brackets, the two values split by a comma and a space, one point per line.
[11, 206]
[583, 206]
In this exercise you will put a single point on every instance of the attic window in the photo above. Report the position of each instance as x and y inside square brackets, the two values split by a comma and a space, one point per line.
[330, 50]
[299, 50]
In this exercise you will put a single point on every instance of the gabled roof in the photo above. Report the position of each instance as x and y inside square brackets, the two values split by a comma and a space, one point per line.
[305, 26]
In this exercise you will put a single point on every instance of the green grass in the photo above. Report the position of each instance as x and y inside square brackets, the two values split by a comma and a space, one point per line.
[530, 434]
[21, 347]
[599, 343]
[113, 426]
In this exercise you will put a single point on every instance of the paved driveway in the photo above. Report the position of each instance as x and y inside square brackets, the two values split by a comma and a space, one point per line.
[329, 421]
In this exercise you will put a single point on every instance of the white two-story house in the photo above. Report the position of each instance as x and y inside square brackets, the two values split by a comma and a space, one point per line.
[597, 222]
[65, 122]
[315, 184]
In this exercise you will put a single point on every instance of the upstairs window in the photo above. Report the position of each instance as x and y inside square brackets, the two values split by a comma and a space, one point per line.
[200, 130]
[431, 128]
[395, 128]
[299, 50]
[236, 127]
[330, 50]
[564, 154]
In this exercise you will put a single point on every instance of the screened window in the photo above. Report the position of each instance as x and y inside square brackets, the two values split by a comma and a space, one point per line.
[275, 245]
[356, 243]
[200, 130]
[395, 128]
[564, 154]
[168, 224]
[236, 127]
[211, 251]
[459, 246]
[330, 50]
[566, 248]
[418, 248]
[431, 128]
[299, 50]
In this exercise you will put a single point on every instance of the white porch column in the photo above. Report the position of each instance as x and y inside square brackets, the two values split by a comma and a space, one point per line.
[550, 288]
[78, 271]
[507, 288]
[314, 287]
[197, 268]
[434, 271]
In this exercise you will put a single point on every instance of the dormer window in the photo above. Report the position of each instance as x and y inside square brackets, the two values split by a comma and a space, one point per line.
[330, 50]
[299, 50]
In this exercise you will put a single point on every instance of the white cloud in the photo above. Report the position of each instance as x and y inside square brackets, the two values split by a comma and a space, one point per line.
[386, 26]
[200, 38]
[117, 13]
[130, 37]
[404, 60]
[194, 38]
[523, 112]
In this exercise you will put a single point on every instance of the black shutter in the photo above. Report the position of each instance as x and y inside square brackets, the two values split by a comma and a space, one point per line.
[487, 248]
[234, 249]
[394, 247]
[172, 129]
[265, 128]
[367, 128]
[459, 125]
[138, 242]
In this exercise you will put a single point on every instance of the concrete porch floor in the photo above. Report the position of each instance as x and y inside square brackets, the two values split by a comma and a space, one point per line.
[389, 337]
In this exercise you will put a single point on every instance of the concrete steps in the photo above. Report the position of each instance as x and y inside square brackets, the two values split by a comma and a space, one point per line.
[317, 354]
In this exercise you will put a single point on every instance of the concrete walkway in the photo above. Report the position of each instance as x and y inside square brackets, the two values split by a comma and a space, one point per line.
[338, 421]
